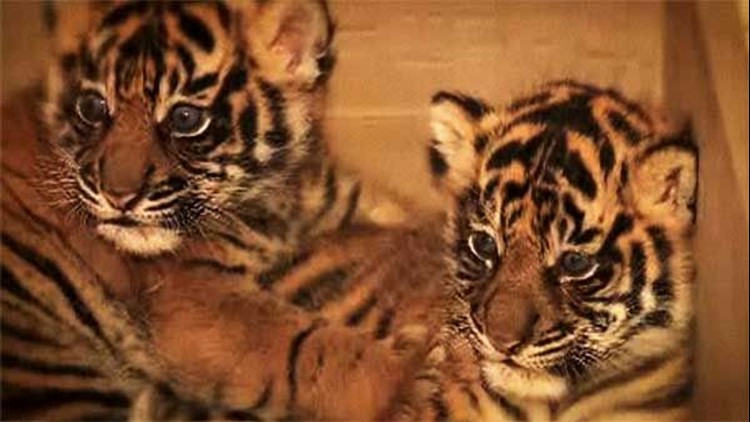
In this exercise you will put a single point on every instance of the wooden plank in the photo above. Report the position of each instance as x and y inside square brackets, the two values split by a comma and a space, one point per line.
[721, 242]
[721, 35]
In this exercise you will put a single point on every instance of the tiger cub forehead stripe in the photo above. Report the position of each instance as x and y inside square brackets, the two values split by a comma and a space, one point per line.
[121, 13]
[574, 113]
[517, 150]
[201, 83]
[193, 28]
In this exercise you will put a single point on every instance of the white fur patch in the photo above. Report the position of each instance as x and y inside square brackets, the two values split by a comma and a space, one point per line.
[140, 240]
[263, 152]
[525, 384]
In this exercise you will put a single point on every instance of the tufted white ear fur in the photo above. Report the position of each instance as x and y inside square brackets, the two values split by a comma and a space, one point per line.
[290, 40]
[665, 181]
[454, 122]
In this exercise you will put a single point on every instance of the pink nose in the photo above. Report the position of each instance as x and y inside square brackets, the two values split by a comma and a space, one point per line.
[121, 200]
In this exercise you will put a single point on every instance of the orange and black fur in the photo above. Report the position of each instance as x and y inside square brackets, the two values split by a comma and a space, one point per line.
[335, 335]
[193, 130]
[169, 121]
[185, 135]
[571, 262]
[568, 292]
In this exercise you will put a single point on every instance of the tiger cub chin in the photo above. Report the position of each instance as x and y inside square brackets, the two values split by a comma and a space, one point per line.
[570, 260]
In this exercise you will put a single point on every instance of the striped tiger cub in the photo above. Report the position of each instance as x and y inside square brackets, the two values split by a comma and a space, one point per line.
[166, 130]
[570, 259]
[164, 122]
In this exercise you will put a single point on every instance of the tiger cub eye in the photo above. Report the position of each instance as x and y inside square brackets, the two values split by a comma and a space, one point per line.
[92, 108]
[577, 265]
[187, 120]
[483, 246]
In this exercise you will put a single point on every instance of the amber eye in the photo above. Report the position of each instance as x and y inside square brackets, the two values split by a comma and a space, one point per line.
[188, 120]
[577, 265]
[483, 246]
[92, 108]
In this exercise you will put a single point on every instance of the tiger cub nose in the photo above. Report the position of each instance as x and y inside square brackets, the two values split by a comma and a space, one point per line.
[121, 200]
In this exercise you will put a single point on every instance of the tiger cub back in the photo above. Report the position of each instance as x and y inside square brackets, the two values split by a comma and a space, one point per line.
[570, 259]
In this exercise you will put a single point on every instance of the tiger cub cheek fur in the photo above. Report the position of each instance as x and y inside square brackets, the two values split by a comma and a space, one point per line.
[162, 121]
[573, 168]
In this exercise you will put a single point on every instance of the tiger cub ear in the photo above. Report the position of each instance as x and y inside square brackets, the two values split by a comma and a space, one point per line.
[290, 40]
[455, 122]
[665, 180]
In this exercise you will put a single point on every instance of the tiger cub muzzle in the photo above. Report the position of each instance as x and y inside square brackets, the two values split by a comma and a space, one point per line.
[130, 183]
[518, 309]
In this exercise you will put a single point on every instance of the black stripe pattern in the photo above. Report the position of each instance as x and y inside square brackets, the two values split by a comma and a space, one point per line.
[556, 177]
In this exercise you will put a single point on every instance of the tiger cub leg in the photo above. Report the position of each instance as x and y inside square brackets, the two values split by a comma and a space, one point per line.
[263, 356]
[354, 309]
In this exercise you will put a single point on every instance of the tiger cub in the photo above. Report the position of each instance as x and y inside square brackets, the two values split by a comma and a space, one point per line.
[185, 131]
[570, 259]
